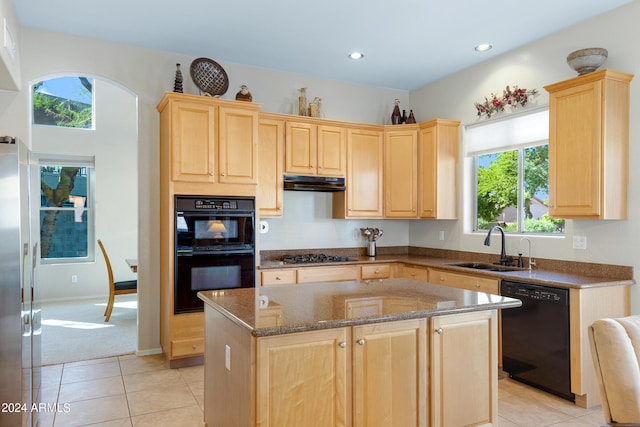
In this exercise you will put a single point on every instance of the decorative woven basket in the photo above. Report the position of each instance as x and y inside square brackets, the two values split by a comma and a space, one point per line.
[209, 76]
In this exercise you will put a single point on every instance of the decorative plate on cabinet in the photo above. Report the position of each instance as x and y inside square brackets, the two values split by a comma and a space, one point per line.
[209, 76]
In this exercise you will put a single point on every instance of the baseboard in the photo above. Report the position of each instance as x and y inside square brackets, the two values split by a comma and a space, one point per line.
[149, 352]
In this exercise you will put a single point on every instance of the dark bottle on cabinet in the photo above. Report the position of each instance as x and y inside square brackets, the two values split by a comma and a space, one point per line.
[395, 115]
[411, 118]
[404, 116]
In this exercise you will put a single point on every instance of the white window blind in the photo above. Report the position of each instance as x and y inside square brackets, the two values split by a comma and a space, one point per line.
[521, 130]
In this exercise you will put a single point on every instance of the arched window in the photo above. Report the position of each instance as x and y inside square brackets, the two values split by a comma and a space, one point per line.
[64, 101]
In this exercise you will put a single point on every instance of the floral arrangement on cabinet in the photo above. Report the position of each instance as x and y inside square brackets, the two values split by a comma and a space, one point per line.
[510, 98]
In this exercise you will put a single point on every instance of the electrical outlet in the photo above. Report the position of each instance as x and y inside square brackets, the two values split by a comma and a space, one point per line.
[441, 235]
[74, 278]
[580, 242]
[227, 357]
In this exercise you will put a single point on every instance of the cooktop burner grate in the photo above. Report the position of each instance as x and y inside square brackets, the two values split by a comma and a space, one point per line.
[312, 258]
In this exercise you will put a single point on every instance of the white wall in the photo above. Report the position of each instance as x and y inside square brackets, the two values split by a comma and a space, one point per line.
[534, 66]
[148, 74]
[307, 223]
[9, 47]
[114, 145]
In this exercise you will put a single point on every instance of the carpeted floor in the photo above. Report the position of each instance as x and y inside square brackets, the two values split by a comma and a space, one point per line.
[76, 330]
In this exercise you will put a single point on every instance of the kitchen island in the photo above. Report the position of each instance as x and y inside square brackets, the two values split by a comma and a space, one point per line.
[395, 352]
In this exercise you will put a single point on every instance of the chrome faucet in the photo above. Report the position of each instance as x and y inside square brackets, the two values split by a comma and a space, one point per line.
[532, 262]
[504, 259]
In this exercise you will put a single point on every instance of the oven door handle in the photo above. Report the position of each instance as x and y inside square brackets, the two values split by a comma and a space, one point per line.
[216, 253]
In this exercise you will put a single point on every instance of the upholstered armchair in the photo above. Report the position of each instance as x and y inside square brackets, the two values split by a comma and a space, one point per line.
[615, 347]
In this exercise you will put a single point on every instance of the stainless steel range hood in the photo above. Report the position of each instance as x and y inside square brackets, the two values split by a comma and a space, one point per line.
[313, 183]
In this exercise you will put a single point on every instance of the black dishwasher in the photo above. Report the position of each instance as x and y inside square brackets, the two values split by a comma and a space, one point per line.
[535, 337]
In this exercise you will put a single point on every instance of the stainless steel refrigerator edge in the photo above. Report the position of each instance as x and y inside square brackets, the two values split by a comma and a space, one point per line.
[19, 316]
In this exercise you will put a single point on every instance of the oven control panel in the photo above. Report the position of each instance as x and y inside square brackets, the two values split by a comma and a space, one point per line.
[199, 203]
[215, 204]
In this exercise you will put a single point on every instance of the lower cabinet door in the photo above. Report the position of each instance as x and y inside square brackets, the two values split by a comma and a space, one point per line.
[464, 363]
[390, 374]
[302, 379]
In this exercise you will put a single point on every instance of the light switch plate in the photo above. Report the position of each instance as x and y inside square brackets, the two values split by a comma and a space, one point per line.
[227, 357]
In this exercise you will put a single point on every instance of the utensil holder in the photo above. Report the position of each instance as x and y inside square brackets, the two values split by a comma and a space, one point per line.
[371, 249]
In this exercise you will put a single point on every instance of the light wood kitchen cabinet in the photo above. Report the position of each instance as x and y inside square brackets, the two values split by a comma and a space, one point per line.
[327, 274]
[364, 194]
[209, 140]
[310, 368]
[414, 272]
[464, 281]
[376, 271]
[401, 173]
[313, 149]
[278, 277]
[363, 307]
[589, 146]
[464, 352]
[207, 146]
[438, 169]
[270, 193]
[390, 374]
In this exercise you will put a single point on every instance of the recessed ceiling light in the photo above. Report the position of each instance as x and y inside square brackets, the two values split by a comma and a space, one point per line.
[483, 47]
[356, 55]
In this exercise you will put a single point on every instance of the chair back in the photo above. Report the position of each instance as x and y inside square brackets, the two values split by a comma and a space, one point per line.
[106, 260]
[615, 349]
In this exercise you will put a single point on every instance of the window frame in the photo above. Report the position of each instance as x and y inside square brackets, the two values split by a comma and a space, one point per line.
[474, 148]
[89, 165]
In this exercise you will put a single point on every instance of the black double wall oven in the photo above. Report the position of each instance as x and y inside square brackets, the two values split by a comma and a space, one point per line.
[214, 247]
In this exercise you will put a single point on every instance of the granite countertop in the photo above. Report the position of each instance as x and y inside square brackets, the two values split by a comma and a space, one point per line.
[558, 279]
[326, 305]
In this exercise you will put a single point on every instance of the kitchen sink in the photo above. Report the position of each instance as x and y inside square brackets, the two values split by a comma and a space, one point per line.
[485, 267]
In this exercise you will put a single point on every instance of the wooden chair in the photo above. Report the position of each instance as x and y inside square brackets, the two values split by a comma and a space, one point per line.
[615, 348]
[115, 288]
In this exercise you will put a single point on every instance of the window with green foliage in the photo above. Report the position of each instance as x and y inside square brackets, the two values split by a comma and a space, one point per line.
[512, 190]
[66, 212]
[511, 170]
[64, 101]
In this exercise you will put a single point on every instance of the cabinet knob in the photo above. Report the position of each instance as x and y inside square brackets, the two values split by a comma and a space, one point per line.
[223, 174]
[413, 274]
[194, 347]
[477, 285]
[342, 344]
[360, 341]
[439, 331]
[441, 279]
[278, 278]
[377, 272]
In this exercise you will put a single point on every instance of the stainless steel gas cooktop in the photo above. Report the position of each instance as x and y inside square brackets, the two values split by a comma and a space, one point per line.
[312, 258]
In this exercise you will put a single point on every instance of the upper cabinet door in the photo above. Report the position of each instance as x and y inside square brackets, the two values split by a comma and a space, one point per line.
[193, 148]
[438, 168]
[301, 148]
[589, 146]
[363, 197]
[270, 166]
[331, 151]
[238, 139]
[401, 174]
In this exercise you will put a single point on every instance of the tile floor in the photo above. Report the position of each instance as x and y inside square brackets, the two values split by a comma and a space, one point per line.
[136, 391]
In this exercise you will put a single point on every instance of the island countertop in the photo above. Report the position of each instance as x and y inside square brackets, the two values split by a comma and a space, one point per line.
[326, 305]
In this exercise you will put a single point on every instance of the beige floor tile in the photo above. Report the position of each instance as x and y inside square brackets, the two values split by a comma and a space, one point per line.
[153, 380]
[49, 394]
[198, 392]
[192, 374]
[45, 419]
[136, 365]
[190, 416]
[84, 390]
[91, 362]
[593, 419]
[74, 373]
[94, 411]
[124, 422]
[160, 399]
[50, 375]
[505, 423]
[527, 411]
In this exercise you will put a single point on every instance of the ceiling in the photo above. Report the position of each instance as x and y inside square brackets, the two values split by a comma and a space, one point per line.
[406, 44]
